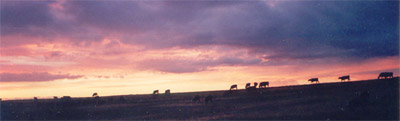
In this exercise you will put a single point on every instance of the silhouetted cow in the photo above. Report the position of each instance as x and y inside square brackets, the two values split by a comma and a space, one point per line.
[167, 92]
[264, 85]
[196, 98]
[233, 87]
[155, 92]
[343, 78]
[249, 88]
[255, 84]
[247, 85]
[95, 95]
[314, 80]
[385, 75]
[209, 98]
[55, 97]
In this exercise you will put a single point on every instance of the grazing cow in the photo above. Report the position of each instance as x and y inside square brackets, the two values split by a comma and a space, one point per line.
[209, 98]
[255, 84]
[314, 80]
[264, 84]
[343, 78]
[233, 87]
[247, 85]
[155, 92]
[167, 92]
[385, 75]
[95, 95]
[196, 98]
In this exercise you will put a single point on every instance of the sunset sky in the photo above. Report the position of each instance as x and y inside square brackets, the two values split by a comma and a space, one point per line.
[76, 48]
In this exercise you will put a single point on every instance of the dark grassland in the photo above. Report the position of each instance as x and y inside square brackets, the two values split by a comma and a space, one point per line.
[356, 100]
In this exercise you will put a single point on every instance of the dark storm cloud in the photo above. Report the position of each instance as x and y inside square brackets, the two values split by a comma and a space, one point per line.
[34, 77]
[39, 19]
[288, 30]
[304, 29]
[140, 16]
[18, 16]
[21, 14]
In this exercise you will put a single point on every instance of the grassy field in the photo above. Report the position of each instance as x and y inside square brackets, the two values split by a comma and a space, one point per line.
[355, 100]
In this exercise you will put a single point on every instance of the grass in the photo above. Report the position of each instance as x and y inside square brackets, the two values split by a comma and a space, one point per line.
[303, 102]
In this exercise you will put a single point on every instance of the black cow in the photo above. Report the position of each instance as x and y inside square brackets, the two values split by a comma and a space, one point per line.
[167, 92]
[314, 80]
[155, 92]
[95, 95]
[264, 85]
[233, 87]
[385, 75]
[343, 78]
[255, 84]
[247, 85]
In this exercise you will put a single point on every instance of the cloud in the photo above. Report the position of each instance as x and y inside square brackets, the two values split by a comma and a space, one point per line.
[193, 65]
[35, 77]
[286, 30]
[22, 14]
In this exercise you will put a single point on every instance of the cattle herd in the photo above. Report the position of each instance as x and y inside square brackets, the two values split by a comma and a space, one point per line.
[248, 86]
[167, 92]
[383, 75]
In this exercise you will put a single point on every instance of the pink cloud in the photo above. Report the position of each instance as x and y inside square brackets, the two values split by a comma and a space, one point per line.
[35, 77]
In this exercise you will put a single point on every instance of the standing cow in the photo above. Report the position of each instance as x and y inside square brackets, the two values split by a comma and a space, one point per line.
[385, 75]
[343, 78]
[264, 85]
[314, 80]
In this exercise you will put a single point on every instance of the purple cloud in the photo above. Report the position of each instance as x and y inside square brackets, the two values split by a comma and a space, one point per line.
[301, 30]
[187, 66]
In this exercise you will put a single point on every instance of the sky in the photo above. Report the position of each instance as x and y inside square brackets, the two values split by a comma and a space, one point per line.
[76, 48]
